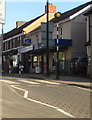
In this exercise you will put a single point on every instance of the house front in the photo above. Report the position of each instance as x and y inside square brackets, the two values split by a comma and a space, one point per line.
[88, 43]
[72, 28]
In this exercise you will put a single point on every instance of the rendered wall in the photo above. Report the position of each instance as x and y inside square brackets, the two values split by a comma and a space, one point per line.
[78, 35]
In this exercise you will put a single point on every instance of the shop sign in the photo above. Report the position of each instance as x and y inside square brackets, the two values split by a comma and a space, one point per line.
[27, 41]
[25, 49]
[38, 46]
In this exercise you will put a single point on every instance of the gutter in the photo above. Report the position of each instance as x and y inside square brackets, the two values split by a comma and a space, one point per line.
[80, 12]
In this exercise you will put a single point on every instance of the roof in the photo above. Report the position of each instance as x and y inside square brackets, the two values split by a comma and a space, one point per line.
[19, 30]
[71, 12]
[88, 11]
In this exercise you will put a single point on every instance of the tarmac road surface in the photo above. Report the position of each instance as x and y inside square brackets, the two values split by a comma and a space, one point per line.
[33, 98]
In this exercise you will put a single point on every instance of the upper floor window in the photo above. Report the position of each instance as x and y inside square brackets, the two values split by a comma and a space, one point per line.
[8, 44]
[14, 43]
[61, 31]
[37, 38]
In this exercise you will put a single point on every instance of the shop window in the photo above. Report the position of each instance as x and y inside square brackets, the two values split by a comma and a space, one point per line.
[15, 61]
[4, 58]
[34, 63]
[62, 60]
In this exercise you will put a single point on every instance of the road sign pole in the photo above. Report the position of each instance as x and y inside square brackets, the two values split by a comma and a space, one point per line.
[57, 70]
[57, 15]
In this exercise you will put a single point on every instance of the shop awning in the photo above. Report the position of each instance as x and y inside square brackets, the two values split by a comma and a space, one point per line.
[63, 42]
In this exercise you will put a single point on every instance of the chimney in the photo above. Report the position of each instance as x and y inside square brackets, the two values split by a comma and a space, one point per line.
[52, 8]
[20, 23]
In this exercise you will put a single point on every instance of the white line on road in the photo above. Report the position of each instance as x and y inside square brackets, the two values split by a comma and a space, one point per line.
[25, 81]
[52, 85]
[18, 88]
[43, 81]
[26, 94]
[9, 82]
[58, 109]
[87, 89]
[26, 97]
[34, 85]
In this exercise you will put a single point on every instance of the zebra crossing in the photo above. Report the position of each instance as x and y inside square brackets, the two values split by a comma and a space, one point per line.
[11, 80]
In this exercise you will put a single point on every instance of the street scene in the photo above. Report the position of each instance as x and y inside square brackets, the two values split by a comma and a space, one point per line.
[45, 60]
[37, 98]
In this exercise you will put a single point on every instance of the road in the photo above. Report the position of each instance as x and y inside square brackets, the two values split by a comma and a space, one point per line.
[34, 98]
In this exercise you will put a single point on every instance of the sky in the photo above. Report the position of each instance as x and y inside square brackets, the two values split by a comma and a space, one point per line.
[25, 11]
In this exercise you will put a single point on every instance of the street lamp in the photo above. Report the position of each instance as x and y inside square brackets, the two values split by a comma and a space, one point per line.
[47, 42]
[57, 15]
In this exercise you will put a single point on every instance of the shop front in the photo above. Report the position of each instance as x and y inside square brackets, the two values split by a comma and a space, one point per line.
[10, 62]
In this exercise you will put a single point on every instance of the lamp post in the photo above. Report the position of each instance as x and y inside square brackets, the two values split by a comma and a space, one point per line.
[1, 47]
[2, 22]
[57, 15]
[47, 42]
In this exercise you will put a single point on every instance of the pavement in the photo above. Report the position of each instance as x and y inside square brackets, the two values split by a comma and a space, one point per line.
[81, 81]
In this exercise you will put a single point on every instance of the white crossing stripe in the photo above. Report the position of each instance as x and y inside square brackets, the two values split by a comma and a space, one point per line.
[48, 82]
[25, 81]
[9, 82]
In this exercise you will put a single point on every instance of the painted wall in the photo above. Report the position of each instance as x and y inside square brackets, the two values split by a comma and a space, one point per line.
[66, 30]
[91, 41]
[35, 36]
[78, 35]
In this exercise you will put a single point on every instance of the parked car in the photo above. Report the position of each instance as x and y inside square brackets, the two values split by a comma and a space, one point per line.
[79, 65]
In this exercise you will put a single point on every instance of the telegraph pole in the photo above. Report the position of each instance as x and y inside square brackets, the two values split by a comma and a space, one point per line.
[47, 44]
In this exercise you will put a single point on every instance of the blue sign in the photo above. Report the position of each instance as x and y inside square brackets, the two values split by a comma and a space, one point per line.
[63, 42]
[27, 41]
[38, 46]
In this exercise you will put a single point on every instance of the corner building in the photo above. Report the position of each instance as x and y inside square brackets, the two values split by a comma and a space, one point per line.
[32, 46]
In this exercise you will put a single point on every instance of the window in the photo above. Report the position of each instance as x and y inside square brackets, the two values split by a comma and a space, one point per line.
[8, 44]
[61, 31]
[15, 61]
[3, 46]
[4, 58]
[13, 43]
[19, 40]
